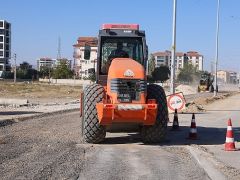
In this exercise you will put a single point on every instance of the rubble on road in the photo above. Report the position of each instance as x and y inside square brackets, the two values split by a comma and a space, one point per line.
[14, 102]
[14, 112]
[197, 105]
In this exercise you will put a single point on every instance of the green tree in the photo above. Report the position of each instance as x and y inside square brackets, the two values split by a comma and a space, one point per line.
[25, 71]
[188, 73]
[45, 71]
[151, 64]
[161, 73]
[62, 71]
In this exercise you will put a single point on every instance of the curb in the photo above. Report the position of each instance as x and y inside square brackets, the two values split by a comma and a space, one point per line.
[11, 121]
[207, 163]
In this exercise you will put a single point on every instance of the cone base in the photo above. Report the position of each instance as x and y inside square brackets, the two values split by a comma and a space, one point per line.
[192, 136]
[230, 147]
[175, 128]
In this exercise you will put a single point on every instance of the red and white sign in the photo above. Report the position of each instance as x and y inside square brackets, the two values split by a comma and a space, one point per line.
[176, 101]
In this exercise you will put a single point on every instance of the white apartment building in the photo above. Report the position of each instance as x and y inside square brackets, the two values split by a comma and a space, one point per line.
[5, 46]
[223, 76]
[52, 63]
[192, 57]
[45, 62]
[195, 59]
[162, 58]
[84, 61]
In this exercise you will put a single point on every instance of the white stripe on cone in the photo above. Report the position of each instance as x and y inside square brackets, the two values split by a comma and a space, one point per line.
[229, 128]
[229, 140]
[193, 130]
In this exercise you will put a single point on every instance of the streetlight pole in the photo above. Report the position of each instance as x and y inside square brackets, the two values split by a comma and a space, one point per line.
[216, 55]
[172, 80]
[15, 67]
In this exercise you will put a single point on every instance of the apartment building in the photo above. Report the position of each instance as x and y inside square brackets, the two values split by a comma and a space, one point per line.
[52, 63]
[195, 59]
[233, 77]
[5, 46]
[223, 76]
[192, 57]
[85, 60]
[162, 58]
[45, 62]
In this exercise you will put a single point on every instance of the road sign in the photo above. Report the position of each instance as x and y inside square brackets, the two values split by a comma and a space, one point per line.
[176, 101]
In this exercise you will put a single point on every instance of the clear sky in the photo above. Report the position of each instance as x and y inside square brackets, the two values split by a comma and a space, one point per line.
[37, 24]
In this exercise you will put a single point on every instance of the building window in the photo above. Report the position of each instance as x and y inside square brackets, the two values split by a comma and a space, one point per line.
[7, 40]
[7, 25]
[7, 47]
[1, 38]
[1, 23]
[1, 46]
[7, 54]
[1, 53]
[87, 52]
[160, 59]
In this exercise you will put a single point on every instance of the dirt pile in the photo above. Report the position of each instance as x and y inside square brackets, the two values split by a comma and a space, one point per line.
[186, 89]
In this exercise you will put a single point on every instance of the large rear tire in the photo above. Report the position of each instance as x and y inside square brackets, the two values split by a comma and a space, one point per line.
[157, 132]
[93, 132]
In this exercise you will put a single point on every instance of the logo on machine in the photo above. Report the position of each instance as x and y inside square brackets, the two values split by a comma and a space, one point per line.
[128, 73]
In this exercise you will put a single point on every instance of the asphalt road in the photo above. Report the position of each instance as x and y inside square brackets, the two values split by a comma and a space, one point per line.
[52, 148]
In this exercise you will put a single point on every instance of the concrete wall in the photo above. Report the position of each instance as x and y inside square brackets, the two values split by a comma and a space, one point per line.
[66, 81]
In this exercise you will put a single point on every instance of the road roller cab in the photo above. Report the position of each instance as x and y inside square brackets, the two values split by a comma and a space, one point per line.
[121, 94]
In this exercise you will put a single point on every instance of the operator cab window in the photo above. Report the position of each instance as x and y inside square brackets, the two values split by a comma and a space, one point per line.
[132, 47]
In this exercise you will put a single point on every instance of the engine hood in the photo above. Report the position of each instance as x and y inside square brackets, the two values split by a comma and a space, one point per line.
[126, 68]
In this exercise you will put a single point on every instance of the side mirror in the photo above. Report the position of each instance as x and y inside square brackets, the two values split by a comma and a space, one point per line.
[87, 52]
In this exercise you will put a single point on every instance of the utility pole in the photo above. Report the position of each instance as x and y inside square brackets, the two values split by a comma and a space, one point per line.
[15, 67]
[59, 48]
[74, 64]
[216, 55]
[172, 80]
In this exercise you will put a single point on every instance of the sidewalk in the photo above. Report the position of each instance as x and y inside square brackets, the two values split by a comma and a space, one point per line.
[211, 132]
[16, 112]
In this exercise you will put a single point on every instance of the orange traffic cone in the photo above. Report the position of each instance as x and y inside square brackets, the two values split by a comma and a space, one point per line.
[175, 125]
[193, 129]
[229, 144]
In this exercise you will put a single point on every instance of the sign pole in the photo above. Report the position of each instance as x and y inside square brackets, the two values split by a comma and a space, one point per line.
[172, 80]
